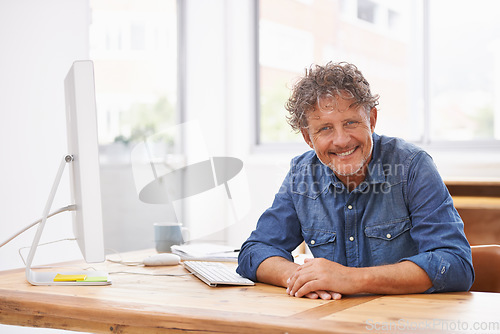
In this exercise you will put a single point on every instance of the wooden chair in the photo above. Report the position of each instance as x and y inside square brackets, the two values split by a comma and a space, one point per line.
[486, 261]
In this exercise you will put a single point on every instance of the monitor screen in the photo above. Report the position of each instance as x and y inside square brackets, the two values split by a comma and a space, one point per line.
[81, 117]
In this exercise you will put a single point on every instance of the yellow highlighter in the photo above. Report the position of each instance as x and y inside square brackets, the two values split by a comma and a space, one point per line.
[69, 278]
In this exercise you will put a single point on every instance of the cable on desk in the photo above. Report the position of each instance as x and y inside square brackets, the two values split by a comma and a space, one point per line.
[148, 274]
[136, 264]
[71, 207]
[43, 244]
[125, 263]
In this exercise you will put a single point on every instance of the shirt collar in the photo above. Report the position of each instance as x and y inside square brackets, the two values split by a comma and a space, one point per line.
[375, 172]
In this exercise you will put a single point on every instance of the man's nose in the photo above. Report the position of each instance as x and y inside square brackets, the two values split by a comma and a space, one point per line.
[340, 137]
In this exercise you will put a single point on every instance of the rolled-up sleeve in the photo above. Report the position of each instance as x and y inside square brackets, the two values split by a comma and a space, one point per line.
[443, 250]
[277, 233]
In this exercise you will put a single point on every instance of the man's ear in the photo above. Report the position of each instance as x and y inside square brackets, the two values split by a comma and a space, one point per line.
[307, 138]
[373, 118]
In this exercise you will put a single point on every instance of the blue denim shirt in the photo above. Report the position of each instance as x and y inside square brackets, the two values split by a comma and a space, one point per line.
[401, 211]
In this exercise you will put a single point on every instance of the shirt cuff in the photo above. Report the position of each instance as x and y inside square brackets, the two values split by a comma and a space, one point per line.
[250, 259]
[435, 266]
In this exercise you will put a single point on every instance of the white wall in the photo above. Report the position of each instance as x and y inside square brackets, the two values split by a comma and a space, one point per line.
[39, 40]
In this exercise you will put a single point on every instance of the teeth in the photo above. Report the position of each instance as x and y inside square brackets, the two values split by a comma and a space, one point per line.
[346, 153]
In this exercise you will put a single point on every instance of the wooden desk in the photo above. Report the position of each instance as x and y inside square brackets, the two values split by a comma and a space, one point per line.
[152, 304]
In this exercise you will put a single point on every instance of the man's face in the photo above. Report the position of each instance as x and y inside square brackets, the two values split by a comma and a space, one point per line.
[341, 136]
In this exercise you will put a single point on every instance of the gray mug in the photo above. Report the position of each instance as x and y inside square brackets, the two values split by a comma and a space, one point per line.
[167, 235]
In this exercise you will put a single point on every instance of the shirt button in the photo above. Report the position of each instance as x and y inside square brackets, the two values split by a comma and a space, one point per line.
[351, 238]
[349, 207]
[313, 242]
[388, 236]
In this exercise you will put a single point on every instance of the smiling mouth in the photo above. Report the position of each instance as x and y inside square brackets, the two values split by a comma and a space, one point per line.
[344, 154]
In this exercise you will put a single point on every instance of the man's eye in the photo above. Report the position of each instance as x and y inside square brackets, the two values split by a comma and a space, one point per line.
[351, 124]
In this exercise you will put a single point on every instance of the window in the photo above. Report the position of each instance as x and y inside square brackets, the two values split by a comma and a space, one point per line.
[376, 36]
[134, 49]
[435, 64]
[366, 10]
[137, 36]
[464, 70]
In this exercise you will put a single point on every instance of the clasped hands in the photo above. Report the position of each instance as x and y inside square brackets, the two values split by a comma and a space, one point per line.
[321, 278]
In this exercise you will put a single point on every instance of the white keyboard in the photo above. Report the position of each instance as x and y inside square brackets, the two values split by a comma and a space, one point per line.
[215, 273]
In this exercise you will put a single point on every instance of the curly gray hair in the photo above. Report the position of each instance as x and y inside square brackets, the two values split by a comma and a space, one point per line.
[334, 79]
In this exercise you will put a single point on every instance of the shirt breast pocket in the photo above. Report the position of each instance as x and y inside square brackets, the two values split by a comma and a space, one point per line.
[320, 242]
[391, 241]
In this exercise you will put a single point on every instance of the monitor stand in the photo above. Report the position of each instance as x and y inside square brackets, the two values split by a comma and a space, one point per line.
[45, 277]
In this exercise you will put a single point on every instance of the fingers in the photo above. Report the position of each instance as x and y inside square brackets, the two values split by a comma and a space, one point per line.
[297, 281]
[305, 282]
[302, 275]
[310, 288]
[312, 295]
[325, 295]
[336, 296]
[306, 288]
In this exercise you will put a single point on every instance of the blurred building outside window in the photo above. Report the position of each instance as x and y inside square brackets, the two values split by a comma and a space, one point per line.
[134, 48]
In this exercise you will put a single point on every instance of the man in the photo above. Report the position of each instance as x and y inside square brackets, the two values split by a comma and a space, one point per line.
[372, 209]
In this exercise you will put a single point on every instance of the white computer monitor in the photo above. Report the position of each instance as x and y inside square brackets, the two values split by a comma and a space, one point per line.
[81, 125]
[83, 161]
